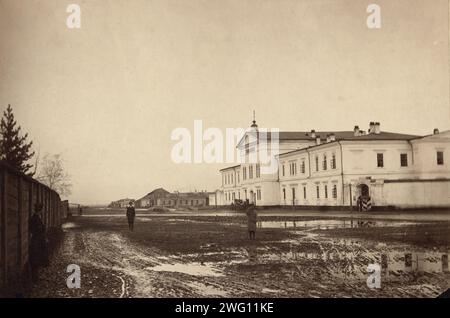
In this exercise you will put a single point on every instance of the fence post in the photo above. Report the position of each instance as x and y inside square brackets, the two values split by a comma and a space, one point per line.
[4, 224]
[19, 223]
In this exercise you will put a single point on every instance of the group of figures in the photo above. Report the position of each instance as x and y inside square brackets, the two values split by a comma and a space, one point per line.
[249, 209]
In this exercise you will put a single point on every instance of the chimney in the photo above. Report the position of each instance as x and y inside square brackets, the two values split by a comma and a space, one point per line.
[332, 137]
[371, 127]
[356, 131]
[435, 131]
[317, 140]
[377, 128]
[313, 133]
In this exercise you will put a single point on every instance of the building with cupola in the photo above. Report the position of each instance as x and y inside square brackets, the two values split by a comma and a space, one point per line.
[335, 168]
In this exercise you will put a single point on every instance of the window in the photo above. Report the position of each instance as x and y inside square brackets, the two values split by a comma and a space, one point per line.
[326, 191]
[403, 160]
[324, 162]
[304, 193]
[283, 171]
[232, 179]
[293, 194]
[284, 193]
[238, 179]
[380, 160]
[234, 196]
[244, 173]
[258, 194]
[258, 170]
[318, 192]
[440, 157]
[334, 191]
[250, 172]
[333, 161]
[302, 166]
[317, 163]
[293, 168]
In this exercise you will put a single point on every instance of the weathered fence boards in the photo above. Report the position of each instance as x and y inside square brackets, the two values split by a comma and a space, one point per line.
[18, 195]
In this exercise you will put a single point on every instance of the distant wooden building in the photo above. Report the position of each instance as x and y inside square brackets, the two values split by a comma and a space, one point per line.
[123, 203]
[163, 198]
[151, 199]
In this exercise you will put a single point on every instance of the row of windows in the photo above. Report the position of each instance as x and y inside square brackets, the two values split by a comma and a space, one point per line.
[404, 159]
[231, 196]
[170, 202]
[319, 192]
[250, 172]
[293, 165]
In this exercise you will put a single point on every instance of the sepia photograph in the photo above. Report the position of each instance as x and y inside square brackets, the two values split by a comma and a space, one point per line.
[250, 150]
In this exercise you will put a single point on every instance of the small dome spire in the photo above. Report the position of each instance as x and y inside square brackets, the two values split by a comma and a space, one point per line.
[254, 125]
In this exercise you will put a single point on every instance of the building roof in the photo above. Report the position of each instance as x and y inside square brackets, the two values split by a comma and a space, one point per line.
[232, 167]
[383, 135]
[156, 190]
[342, 135]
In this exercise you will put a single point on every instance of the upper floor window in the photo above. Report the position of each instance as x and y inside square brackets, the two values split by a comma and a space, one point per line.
[293, 168]
[284, 193]
[318, 192]
[238, 178]
[304, 192]
[317, 163]
[302, 166]
[232, 179]
[324, 162]
[258, 170]
[333, 161]
[326, 191]
[440, 157]
[283, 170]
[244, 173]
[380, 160]
[403, 160]
[250, 172]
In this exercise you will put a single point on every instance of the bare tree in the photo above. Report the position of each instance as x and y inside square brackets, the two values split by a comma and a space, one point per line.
[52, 173]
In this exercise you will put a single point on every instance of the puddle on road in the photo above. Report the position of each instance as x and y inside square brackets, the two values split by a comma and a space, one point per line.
[194, 269]
[329, 224]
[68, 225]
[345, 258]
[207, 290]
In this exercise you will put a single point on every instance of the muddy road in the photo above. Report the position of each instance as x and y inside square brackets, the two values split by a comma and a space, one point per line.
[209, 256]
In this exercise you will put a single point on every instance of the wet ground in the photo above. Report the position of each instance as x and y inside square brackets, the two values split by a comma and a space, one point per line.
[297, 254]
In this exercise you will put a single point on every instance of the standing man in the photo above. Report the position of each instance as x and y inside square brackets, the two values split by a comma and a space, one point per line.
[38, 243]
[251, 221]
[131, 213]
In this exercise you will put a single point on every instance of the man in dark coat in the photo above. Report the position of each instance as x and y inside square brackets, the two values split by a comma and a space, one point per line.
[251, 221]
[131, 213]
[38, 245]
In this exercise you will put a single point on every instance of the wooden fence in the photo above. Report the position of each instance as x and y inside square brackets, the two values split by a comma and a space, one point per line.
[18, 194]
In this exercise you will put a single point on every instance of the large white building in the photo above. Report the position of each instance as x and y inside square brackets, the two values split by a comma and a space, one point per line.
[335, 168]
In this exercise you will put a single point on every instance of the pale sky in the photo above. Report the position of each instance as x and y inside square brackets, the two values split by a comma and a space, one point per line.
[108, 95]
